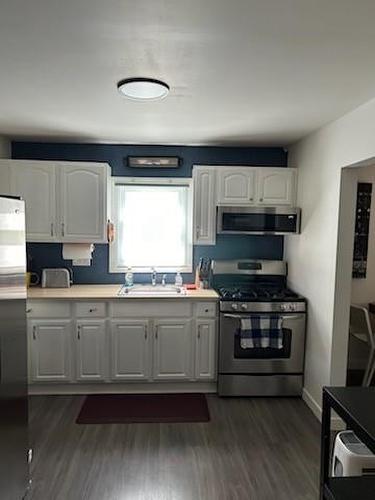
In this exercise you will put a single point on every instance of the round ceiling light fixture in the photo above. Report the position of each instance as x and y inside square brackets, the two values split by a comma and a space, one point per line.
[143, 89]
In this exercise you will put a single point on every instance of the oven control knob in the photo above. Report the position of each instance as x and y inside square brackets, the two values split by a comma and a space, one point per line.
[235, 306]
[244, 307]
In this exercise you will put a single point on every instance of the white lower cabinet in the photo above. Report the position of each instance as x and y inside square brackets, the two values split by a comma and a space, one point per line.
[50, 346]
[172, 349]
[91, 349]
[142, 346]
[130, 359]
[205, 349]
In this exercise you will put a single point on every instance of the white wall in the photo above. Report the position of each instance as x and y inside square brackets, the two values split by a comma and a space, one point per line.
[312, 256]
[4, 147]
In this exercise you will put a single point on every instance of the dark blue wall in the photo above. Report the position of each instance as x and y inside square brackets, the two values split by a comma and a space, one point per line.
[49, 255]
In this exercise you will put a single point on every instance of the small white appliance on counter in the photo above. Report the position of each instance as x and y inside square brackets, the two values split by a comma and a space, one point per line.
[351, 457]
[56, 278]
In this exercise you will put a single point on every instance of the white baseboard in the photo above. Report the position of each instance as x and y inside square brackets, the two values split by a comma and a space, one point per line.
[312, 404]
[336, 423]
[130, 388]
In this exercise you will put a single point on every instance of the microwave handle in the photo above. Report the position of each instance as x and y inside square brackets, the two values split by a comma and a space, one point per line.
[238, 316]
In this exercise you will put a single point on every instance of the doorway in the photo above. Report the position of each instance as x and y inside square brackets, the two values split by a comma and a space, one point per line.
[355, 275]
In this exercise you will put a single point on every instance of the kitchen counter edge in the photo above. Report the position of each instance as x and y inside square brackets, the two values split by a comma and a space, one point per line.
[109, 292]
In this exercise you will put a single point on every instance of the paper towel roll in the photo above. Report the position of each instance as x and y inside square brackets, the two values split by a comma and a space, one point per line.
[77, 251]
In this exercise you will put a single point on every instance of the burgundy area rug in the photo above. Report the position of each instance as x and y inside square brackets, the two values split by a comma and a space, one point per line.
[126, 408]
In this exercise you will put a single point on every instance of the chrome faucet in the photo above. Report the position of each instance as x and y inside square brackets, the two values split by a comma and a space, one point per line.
[153, 276]
[163, 280]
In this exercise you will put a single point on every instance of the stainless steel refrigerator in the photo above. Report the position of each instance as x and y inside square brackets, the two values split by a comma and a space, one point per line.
[14, 472]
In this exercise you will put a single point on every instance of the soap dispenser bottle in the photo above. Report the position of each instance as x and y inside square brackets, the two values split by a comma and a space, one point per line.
[129, 277]
[178, 280]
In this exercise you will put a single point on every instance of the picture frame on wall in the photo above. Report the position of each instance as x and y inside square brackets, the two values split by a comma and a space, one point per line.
[361, 232]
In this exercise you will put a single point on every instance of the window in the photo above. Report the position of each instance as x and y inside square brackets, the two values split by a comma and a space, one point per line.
[153, 220]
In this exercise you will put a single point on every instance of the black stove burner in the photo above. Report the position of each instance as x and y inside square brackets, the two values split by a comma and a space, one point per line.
[252, 294]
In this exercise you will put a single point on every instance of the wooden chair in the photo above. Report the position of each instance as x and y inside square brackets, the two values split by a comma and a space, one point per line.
[360, 327]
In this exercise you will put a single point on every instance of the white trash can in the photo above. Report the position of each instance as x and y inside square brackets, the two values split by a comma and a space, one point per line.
[351, 457]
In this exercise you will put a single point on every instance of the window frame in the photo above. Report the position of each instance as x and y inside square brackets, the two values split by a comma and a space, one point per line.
[114, 267]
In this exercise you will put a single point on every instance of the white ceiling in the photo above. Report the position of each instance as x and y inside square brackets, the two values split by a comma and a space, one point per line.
[240, 71]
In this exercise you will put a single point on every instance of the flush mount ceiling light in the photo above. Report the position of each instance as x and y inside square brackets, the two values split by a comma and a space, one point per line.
[143, 89]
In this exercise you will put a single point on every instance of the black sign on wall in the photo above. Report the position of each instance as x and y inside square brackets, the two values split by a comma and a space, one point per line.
[362, 224]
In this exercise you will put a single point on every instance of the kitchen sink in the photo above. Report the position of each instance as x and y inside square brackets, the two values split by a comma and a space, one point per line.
[157, 290]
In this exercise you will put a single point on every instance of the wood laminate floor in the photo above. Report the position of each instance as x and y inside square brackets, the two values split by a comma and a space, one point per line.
[252, 449]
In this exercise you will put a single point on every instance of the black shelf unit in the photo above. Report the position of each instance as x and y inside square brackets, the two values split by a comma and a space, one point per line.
[356, 407]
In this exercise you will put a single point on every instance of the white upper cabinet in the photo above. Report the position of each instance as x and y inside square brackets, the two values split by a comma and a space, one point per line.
[35, 183]
[83, 214]
[204, 206]
[65, 201]
[236, 185]
[276, 186]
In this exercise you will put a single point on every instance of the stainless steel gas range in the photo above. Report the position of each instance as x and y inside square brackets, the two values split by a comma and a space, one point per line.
[257, 289]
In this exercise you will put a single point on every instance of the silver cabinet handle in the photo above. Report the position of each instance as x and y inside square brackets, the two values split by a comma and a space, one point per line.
[29, 310]
[156, 333]
[79, 332]
[63, 229]
[244, 315]
[51, 228]
[34, 332]
[199, 331]
[146, 332]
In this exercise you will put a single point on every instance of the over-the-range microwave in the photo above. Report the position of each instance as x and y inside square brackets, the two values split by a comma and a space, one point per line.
[258, 220]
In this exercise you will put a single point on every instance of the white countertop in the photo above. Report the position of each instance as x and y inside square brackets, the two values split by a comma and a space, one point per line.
[82, 292]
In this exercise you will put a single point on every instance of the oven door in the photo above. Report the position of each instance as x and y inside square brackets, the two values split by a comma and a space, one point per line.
[289, 359]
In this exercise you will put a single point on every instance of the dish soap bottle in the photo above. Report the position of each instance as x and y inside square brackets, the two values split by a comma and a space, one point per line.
[178, 280]
[129, 277]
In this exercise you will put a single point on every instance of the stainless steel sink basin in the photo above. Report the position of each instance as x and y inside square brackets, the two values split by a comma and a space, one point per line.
[157, 290]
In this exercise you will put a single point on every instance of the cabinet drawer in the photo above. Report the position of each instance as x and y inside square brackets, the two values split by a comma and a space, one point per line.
[48, 309]
[205, 309]
[150, 309]
[90, 309]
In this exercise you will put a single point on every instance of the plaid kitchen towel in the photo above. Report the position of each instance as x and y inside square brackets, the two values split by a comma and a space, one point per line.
[261, 331]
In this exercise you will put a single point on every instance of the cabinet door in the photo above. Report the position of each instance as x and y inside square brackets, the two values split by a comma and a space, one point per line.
[36, 183]
[130, 351]
[236, 186]
[204, 206]
[50, 351]
[276, 186]
[83, 203]
[172, 350]
[205, 349]
[91, 350]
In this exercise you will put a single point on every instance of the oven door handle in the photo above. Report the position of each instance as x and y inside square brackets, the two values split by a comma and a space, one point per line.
[238, 316]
